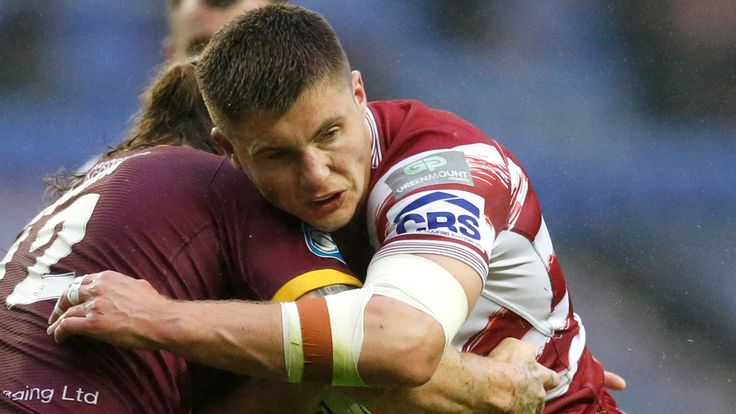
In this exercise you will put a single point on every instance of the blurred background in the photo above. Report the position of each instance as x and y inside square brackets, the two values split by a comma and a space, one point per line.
[624, 115]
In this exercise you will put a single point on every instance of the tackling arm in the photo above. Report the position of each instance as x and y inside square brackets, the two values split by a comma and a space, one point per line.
[405, 331]
[507, 381]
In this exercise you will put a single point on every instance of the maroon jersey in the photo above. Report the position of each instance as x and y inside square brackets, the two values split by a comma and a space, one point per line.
[186, 221]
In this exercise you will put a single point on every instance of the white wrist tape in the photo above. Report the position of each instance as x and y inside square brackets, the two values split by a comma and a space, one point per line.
[416, 281]
[293, 347]
[347, 311]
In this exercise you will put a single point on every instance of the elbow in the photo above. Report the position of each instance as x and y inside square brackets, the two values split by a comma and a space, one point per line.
[402, 345]
[414, 366]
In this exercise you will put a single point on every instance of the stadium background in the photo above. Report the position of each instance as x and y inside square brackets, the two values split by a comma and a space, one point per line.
[623, 115]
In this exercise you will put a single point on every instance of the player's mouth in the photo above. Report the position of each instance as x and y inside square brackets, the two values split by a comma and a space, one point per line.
[330, 201]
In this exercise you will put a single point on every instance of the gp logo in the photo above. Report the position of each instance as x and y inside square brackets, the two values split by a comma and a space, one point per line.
[446, 167]
[427, 164]
[440, 211]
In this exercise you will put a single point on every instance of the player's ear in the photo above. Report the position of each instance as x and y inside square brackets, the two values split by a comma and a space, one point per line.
[358, 88]
[222, 141]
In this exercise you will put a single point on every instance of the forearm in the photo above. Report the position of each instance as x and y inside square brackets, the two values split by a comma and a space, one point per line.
[506, 382]
[244, 337]
[451, 390]
[456, 387]
[401, 344]
[247, 338]
[509, 381]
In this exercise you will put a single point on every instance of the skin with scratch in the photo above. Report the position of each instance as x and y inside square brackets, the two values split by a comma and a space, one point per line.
[461, 385]
[508, 390]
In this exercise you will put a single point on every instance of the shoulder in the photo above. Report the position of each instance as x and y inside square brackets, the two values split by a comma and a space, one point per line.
[188, 170]
[159, 164]
[409, 128]
[155, 179]
[406, 116]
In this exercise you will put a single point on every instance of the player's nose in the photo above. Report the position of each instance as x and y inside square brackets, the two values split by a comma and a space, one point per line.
[315, 168]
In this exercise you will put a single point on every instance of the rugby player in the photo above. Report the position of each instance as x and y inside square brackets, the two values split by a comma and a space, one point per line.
[166, 214]
[462, 253]
[192, 226]
[192, 22]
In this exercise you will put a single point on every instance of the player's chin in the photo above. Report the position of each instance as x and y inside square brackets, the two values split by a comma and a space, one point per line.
[328, 225]
[329, 219]
[330, 222]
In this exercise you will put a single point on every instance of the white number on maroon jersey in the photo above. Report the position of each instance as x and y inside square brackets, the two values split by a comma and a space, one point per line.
[53, 238]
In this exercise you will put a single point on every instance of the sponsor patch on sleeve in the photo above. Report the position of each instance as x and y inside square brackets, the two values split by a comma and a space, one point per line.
[321, 243]
[447, 167]
[457, 215]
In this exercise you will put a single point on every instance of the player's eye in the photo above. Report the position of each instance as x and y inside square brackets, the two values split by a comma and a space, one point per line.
[274, 155]
[330, 134]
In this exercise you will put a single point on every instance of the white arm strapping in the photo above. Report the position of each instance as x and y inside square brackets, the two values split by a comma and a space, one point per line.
[423, 284]
[416, 281]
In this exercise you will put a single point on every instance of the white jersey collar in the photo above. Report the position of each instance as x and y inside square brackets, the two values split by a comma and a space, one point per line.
[376, 155]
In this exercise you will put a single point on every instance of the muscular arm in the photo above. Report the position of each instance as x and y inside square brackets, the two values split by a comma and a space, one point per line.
[402, 345]
[507, 381]
[246, 337]
[420, 338]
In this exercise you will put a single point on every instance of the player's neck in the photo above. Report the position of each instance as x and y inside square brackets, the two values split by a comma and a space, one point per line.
[354, 243]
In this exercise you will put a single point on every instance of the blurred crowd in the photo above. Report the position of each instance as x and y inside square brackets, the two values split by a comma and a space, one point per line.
[623, 113]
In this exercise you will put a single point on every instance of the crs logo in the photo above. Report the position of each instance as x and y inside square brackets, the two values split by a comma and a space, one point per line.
[425, 164]
[441, 211]
[320, 243]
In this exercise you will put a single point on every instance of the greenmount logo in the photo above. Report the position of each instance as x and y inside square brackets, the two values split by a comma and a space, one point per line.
[446, 167]
[426, 164]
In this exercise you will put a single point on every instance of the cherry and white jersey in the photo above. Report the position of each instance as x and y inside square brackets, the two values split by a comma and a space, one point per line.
[441, 186]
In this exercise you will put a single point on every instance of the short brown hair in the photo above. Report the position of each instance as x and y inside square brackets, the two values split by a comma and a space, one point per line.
[262, 61]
